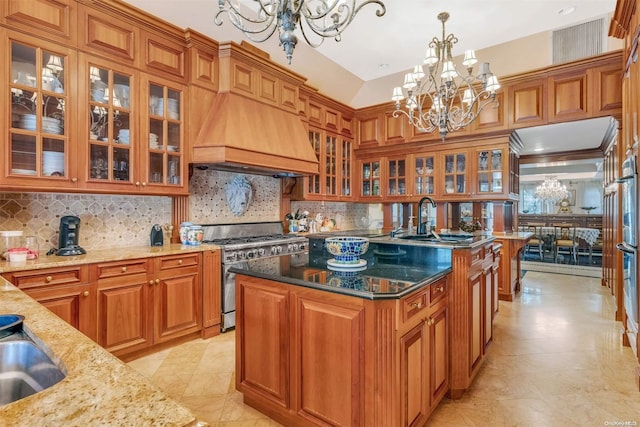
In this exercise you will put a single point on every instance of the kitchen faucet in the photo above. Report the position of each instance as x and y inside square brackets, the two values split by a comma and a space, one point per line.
[421, 230]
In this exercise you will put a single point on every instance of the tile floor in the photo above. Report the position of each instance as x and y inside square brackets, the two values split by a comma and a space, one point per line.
[557, 359]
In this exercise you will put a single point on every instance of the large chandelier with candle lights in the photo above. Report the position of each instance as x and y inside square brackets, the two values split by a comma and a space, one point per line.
[551, 190]
[443, 99]
[261, 18]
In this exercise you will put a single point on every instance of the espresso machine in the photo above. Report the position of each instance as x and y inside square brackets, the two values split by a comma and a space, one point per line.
[69, 234]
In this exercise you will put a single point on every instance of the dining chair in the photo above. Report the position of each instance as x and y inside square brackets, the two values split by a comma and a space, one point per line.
[565, 238]
[536, 241]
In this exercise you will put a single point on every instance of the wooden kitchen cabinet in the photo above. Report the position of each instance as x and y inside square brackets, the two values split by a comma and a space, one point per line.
[471, 310]
[41, 145]
[66, 291]
[149, 301]
[509, 260]
[453, 168]
[334, 357]
[370, 179]
[422, 168]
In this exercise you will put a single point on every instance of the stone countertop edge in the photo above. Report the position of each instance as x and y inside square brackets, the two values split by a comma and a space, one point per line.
[344, 291]
[519, 235]
[103, 255]
[98, 390]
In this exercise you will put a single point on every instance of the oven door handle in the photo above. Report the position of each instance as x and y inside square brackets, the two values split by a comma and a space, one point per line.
[624, 247]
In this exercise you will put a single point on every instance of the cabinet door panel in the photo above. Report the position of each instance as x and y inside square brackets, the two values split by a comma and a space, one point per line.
[124, 315]
[263, 373]
[475, 313]
[439, 352]
[568, 97]
[414, 376]
[48, 18]
[329, 342]
[178, 304]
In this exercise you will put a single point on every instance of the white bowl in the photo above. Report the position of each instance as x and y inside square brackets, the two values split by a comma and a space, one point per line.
[17, 256]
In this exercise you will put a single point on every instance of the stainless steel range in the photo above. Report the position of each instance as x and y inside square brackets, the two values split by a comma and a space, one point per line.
[241, 243]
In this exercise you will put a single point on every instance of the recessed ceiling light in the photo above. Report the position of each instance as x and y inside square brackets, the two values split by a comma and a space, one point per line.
[538, 149]
[566, 10]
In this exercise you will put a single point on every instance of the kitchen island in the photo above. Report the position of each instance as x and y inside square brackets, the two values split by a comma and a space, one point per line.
[316, 346]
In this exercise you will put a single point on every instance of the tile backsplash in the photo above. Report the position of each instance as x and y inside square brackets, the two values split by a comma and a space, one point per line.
[105, 221]
[108, 221]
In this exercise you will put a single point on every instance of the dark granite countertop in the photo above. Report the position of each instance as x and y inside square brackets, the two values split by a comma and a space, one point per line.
[392, 271]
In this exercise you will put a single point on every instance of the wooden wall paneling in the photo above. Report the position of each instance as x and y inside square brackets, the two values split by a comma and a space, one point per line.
[368, 131]
[242, 78]
[52, 19]
[606, 95]
[314, 113]
[268, 88]
[164, 55]
[527, 103]
[568, 97]
[289, 96]
[108, 35]
[346, 125]
[303, 105]
[394, 129]
[202, 60]
[331, 119]
[492, 117]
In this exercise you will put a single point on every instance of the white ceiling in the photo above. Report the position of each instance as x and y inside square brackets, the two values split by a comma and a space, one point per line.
[374, 47]
[399, 38]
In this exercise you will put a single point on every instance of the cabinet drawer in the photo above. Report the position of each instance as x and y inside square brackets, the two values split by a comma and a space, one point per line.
[184, 260]
[438, 291]
[477, 255]
[415, 303]
[49, 277]
[121, 268]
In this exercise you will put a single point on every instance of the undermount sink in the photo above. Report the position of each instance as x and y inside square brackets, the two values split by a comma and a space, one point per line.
[451, 238]
[25, 368]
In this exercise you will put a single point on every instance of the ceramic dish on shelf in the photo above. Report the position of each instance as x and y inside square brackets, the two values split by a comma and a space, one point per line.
[172, 148]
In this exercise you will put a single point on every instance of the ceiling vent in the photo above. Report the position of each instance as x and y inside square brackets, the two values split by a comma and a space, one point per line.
[579, 41]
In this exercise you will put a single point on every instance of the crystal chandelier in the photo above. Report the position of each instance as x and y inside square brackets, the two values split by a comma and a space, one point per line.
[444, 99]
[325, 18]
[551, 190]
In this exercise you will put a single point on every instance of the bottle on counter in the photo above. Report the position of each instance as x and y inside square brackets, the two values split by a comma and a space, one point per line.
[411, 229]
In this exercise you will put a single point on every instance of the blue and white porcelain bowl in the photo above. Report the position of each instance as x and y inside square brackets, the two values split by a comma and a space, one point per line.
[347, 250]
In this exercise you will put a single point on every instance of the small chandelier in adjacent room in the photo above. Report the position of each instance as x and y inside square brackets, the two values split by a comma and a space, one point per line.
[551, 190]
[443, 99]
[325, 18]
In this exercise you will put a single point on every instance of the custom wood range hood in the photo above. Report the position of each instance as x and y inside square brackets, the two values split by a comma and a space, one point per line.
[244, 135]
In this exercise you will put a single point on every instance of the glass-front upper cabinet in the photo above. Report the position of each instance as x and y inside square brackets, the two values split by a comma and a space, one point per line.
[346, 159]
[454, 167]
[331, 165]
[110, 131]
[424, 182]
[490, 171]
[164, 136]
[38, 140]
[313, 181]
[396, 177]
[370, 178]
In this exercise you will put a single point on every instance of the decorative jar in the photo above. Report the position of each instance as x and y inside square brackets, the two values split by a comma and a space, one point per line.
[347, 250]
[184, 229]
[195, 235]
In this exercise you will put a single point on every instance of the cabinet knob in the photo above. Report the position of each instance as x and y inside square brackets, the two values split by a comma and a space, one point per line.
[144, 184]
[180, 261]
[157, 281]
[48, 279]
[85, 293]
[440, 288]
[151, 282]
[74, 180]
[430, 321]
[123, 269]
[137, 183]
[416, 305]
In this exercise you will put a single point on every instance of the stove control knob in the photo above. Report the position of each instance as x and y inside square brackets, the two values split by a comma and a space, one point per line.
[279, 249]
[260, 251]
[289, 247]
[232, 257]
[241, 255]
[274, 250]
[295, 246]
[302, 246]
[251, 254]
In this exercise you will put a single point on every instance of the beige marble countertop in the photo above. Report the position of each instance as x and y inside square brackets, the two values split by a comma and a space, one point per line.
[518, 235]
[101, 255]
[99, 389]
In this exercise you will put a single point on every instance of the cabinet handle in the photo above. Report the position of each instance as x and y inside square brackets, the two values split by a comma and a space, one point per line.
[123, 269]
[144, 184]
[151, 282]
[137, 183]
[74, 180]
[85, 293]
[440, 288]
[180, 261]
[416, 305]
[157, 281]
[48, 279]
